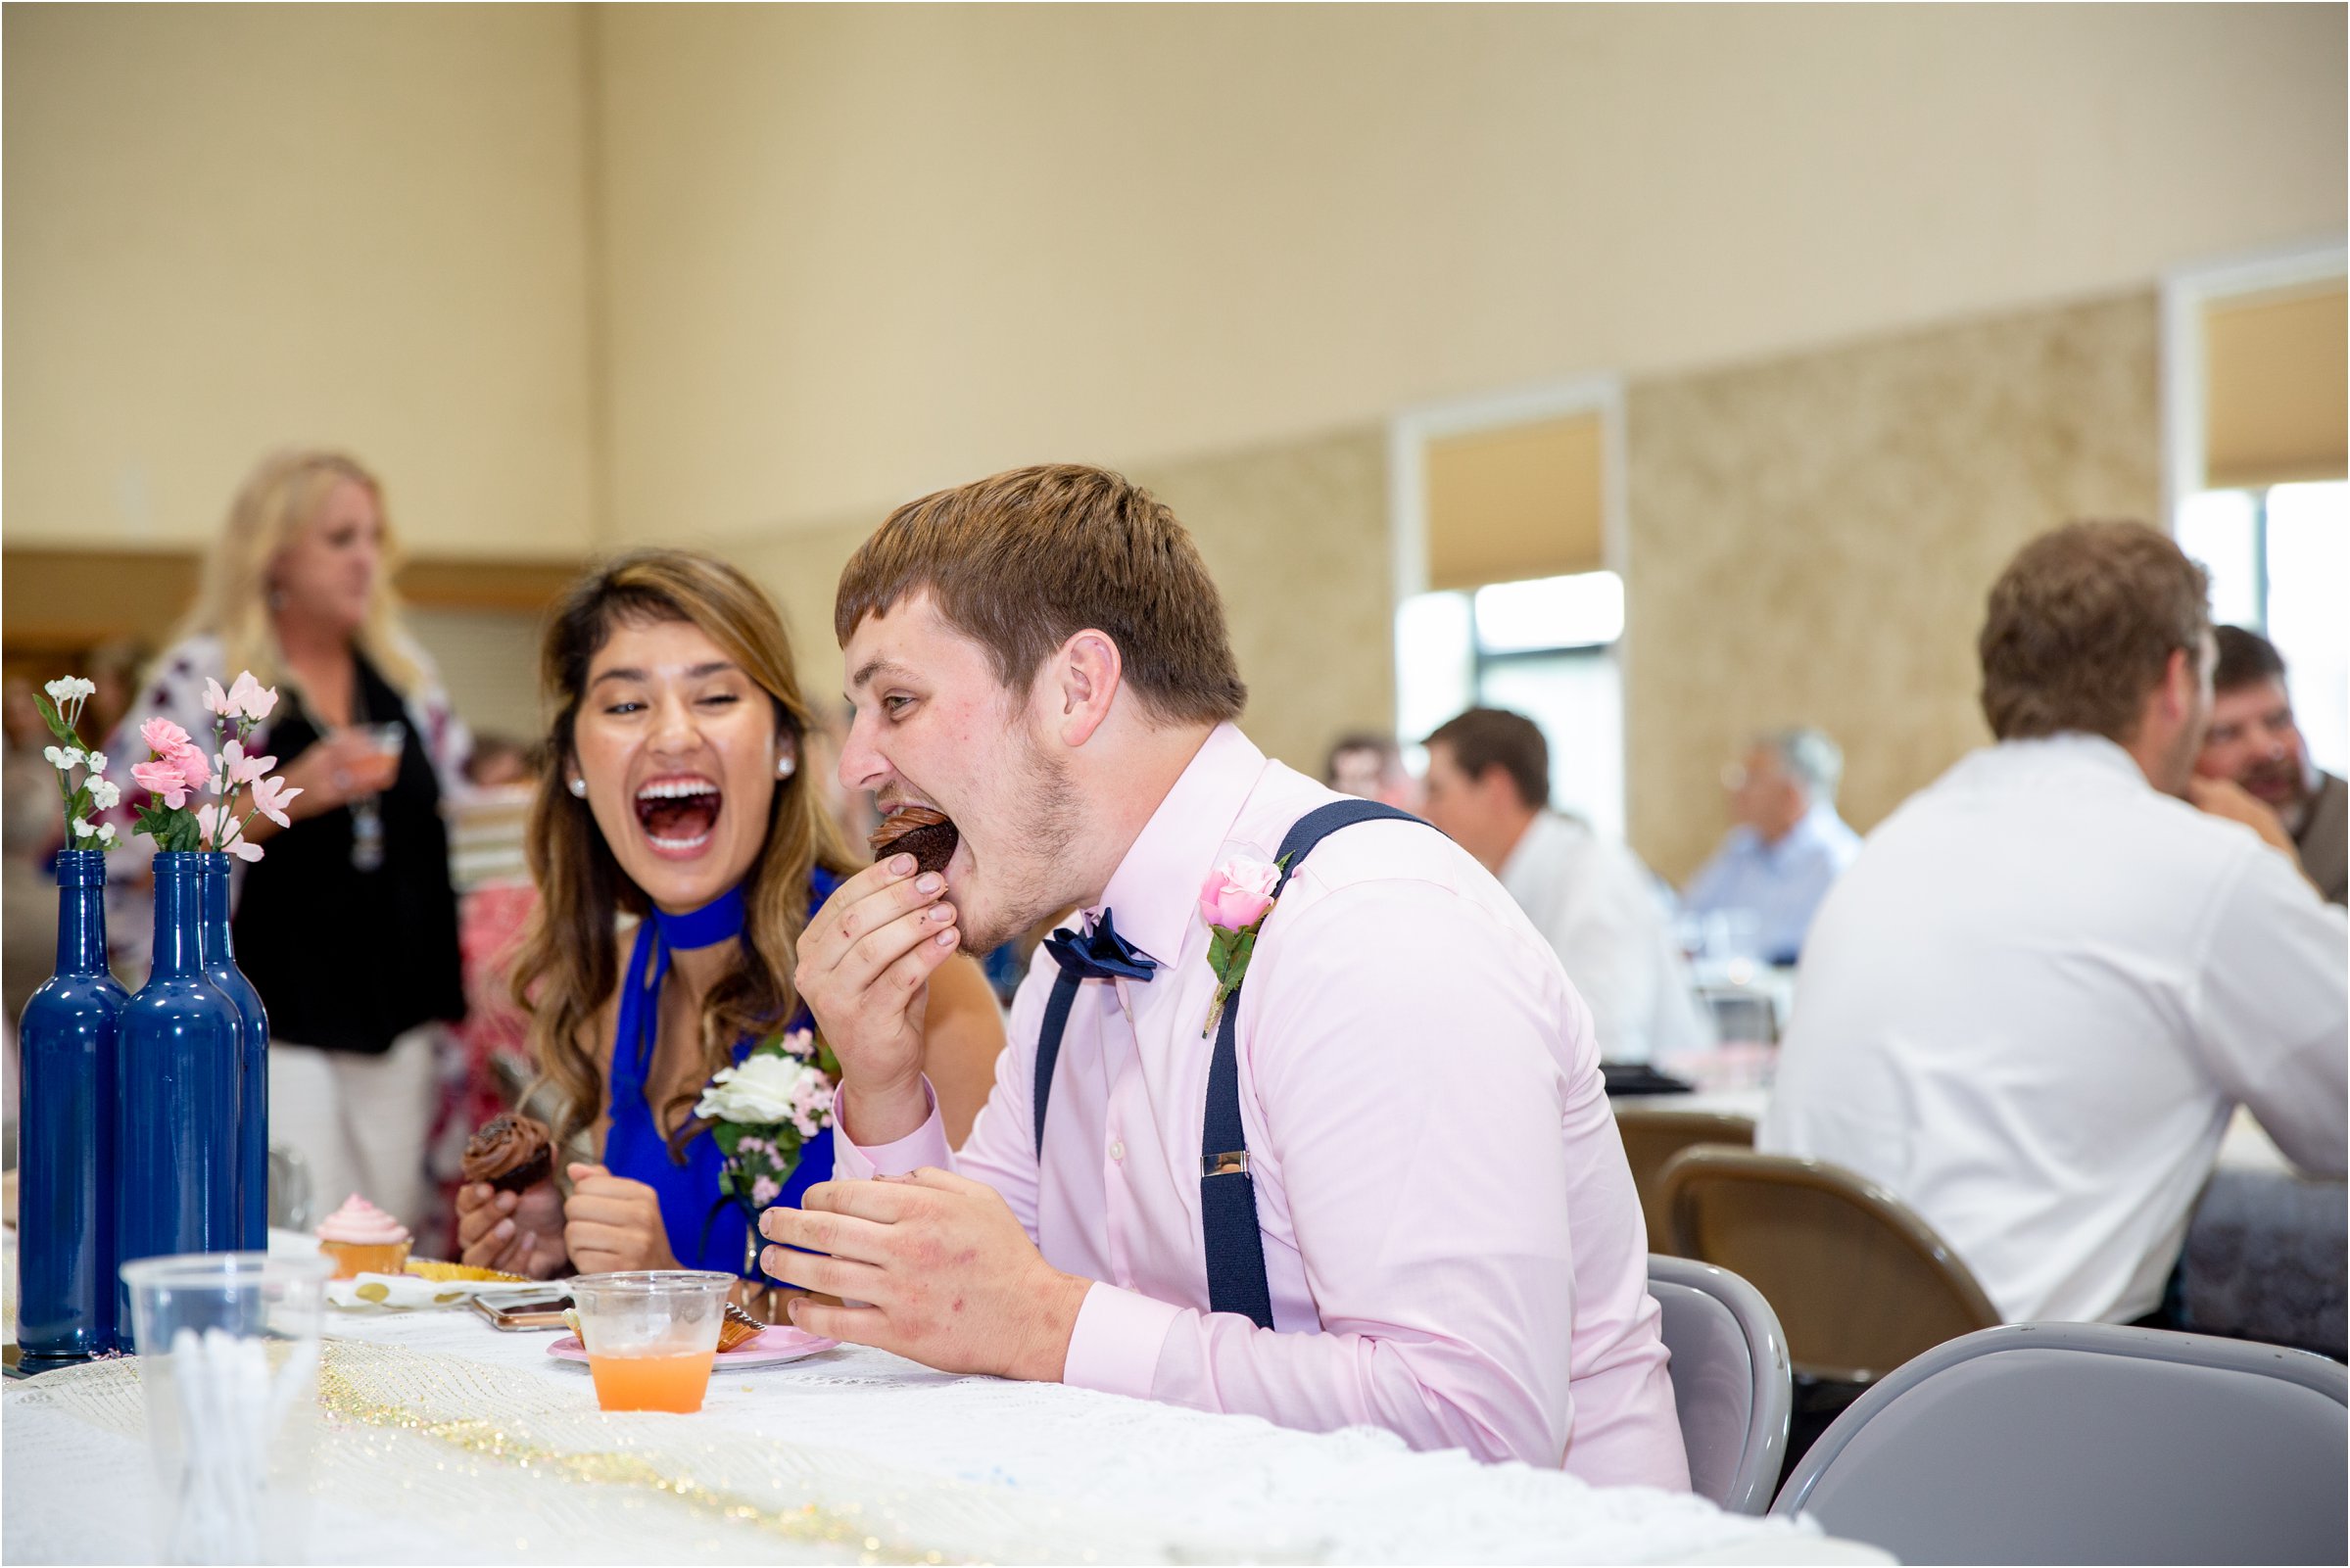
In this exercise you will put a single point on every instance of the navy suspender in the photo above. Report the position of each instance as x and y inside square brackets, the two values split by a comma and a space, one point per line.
[1236, 1246]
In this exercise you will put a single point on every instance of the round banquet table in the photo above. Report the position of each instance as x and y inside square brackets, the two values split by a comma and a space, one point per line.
[444, 1440]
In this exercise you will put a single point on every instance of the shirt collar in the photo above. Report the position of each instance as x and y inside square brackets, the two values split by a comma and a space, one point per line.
[1155, 890]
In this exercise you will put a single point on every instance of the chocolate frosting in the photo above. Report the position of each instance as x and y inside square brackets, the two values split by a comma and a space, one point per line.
[505, 1143]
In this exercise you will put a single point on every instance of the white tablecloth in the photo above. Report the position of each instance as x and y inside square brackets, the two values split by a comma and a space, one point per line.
[937, 1468]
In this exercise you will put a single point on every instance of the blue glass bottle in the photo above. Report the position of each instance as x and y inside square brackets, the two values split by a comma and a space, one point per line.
[69, 1039]
[182, 1091]
[253, 1054]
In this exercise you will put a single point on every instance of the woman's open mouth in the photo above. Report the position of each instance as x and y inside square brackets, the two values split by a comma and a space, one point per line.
[677, 813]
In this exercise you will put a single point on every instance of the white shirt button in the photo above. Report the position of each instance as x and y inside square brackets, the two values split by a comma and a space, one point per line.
[1117, 1150]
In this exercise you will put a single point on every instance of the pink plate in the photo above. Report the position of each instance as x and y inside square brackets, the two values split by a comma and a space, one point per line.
[777, 1344]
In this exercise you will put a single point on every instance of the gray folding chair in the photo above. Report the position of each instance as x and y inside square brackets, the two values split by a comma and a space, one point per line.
[2089, 1443]
[1731, 1380]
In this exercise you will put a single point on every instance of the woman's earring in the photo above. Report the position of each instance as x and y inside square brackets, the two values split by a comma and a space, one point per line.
[579, 787]
[785, 766]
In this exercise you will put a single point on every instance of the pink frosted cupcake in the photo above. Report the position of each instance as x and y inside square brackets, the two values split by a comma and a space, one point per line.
[362, 1238]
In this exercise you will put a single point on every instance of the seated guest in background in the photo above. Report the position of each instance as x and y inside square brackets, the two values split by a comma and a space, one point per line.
[670, 788]
[1788, 845]
[2255, 745]
[1371, 766]
[348, 925]
[2031, 1005]
[1422, 1220]
[1489, 787]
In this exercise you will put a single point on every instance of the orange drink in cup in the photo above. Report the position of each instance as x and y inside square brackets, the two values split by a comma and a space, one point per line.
[650, 1335]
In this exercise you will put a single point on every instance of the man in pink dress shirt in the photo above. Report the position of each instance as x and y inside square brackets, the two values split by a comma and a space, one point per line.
[1450, 1237]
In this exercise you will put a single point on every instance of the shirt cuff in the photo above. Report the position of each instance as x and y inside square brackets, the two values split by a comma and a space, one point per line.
[1115, 1347]
[925, 1145]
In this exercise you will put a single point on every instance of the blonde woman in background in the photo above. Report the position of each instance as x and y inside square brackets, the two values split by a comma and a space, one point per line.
[347, 927]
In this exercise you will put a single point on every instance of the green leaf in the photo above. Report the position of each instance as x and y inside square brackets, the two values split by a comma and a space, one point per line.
[1220, 948]
[54, 720]
[1242, 952]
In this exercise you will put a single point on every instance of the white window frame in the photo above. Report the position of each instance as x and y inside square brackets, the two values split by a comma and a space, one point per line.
[2186, 295]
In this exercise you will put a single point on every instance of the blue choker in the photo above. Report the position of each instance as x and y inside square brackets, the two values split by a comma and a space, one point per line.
[706, 926]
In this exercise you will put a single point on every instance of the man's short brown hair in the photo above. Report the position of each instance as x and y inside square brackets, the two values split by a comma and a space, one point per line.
[2081, 626]
[2246, 658]
[1022, 561]
[1496, 738]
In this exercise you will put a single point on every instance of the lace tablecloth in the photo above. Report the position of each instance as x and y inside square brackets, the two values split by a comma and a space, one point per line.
[448, 1440]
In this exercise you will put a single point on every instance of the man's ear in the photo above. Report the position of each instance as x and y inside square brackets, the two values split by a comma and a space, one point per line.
[1086, 673]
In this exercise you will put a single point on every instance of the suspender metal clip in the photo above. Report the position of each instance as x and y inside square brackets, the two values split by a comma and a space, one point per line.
[1232, 1162]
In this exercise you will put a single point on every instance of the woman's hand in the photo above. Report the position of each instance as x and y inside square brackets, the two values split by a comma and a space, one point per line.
[615, 1223]
[344, 767]
[521, 1233]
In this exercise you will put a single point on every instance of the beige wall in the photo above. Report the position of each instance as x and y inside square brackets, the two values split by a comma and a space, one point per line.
[1296, 537]
[857, 252]
[233, 227]
[1812, 539]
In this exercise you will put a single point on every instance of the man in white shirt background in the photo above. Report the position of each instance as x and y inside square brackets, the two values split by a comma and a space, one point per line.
[2032, 1004]
[1788, 844]
[1488, 788]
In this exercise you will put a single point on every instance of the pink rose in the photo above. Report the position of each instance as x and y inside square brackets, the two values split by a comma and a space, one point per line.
[164, 781]
[164, 738]
[193, 765]
[1237, 895]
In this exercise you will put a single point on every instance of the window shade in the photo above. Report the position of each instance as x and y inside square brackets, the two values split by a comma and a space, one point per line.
[2274, 404]
[1525, 500]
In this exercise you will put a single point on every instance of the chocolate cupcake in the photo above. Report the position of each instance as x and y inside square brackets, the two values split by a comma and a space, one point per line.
[916, 830]
[511, 1153]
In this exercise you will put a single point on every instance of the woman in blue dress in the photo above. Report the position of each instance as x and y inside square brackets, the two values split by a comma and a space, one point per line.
[671, 791]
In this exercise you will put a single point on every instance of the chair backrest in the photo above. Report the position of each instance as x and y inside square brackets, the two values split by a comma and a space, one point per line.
[2091, 1442]
[1860, 1283]
[1731, 1380]
[1652, 1135]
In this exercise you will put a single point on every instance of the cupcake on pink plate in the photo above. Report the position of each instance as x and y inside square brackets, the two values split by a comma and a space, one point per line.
[362, 1238]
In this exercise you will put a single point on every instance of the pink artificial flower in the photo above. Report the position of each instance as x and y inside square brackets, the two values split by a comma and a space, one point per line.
[163, 779]
[248, 697]
[213, 824]
[244, 849]
[270, 797]
[1237, 895]
[765, 1190]
[242, 768]
[217, 700]
[164, 738]
[193, 765]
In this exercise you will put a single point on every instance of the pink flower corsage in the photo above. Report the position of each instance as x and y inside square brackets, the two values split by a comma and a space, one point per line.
[1234, 901]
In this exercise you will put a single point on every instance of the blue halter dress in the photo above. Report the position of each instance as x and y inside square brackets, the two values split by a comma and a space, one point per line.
[706, 1229]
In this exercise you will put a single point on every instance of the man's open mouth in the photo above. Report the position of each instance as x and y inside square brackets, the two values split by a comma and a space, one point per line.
[678, 812]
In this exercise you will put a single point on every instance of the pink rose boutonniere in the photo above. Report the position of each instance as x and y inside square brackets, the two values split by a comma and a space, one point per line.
[1234, 901]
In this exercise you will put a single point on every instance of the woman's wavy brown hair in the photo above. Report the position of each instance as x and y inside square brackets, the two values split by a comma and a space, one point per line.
[569, 963]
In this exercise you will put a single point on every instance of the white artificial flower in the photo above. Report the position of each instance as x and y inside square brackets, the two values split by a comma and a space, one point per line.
[64, 761]
[68, 693]
[760, 1092]
[105, 794]
[106, 836]
[95, 762]
[83, 827]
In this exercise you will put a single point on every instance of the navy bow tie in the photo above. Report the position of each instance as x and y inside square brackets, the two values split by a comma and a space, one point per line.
[1103, 956]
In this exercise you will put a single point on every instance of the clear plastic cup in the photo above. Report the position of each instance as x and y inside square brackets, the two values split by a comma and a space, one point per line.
[650, 1335]
[229, 1355]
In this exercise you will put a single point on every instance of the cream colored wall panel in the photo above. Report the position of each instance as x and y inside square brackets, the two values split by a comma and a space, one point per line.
[235, 226]
[1812, 540]
[857, 252]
